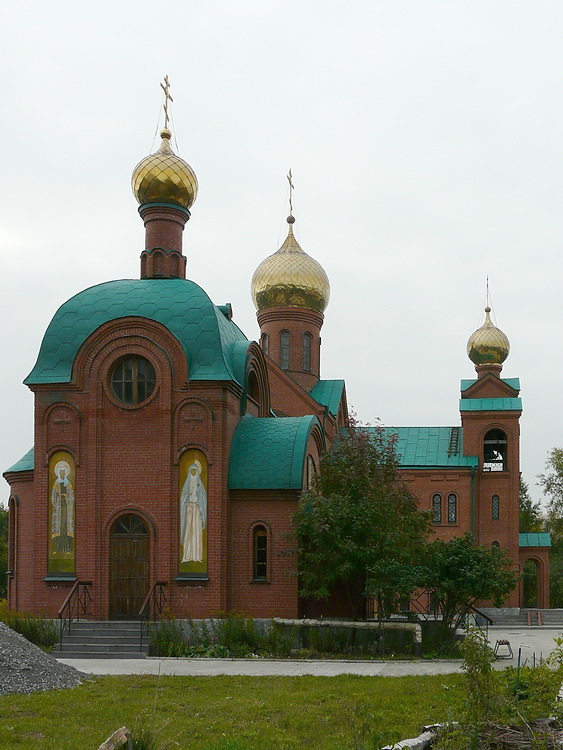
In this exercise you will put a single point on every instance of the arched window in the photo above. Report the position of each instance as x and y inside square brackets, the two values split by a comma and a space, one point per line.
[253, 387]
[259, 553]
[12, 509]
[495, 507]
[307, 343]
[452, 508]
[437, 508]
[285, 339]
[495, 451]
[265, 342]
[311, 471]
[495, 545]
[158, 263]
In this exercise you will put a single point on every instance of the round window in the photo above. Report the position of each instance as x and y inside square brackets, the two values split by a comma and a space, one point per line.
[133, 379]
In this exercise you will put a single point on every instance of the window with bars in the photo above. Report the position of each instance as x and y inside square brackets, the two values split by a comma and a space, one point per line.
[452, 508]
[133, 380]
[437, 508]
[260, 553]
[307, 342]
[285, 339]
[495, 507]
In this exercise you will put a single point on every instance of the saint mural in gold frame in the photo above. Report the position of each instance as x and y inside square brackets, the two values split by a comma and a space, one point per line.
[61, 551]
[193, 514]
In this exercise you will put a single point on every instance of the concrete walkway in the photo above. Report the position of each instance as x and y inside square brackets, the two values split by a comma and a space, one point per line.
[533, 641]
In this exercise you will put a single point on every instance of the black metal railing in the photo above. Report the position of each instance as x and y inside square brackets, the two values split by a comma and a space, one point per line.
[75, 605]
[152, 607]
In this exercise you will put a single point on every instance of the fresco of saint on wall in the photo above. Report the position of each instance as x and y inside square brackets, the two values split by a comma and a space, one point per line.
[193, 513]
[61, 513]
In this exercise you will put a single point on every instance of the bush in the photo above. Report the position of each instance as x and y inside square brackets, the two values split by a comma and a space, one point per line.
[167, 639]
[39, 630]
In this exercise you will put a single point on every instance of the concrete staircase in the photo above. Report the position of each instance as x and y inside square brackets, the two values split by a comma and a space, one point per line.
[515, 617]
[114, 639]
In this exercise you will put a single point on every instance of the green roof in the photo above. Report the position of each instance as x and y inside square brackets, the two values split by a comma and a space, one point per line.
[512, 382]
[541, 539]
[269, 453]
[490, 404]
[24, 464]
[328, 393]
[205, 334]
[429, 447]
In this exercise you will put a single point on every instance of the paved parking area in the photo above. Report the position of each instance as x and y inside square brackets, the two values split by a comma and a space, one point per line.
[533, 643]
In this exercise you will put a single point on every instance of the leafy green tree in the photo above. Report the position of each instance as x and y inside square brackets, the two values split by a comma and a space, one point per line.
[531, 518]
[458, 574]
[552, 484]
[359, 527]
[3, 551]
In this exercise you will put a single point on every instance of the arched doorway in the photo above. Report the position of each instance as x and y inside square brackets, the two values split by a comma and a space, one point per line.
[530, 581]
[129, 567]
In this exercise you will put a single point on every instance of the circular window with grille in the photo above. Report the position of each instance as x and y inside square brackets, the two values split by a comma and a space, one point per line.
[133, 380]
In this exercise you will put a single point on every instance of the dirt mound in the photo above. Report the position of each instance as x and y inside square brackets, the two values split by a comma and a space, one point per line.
[24, 668]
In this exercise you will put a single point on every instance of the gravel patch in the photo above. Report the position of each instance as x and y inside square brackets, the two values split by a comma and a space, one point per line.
[24, 668]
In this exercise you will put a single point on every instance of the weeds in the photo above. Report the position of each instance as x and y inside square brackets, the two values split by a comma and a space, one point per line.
[39, 630]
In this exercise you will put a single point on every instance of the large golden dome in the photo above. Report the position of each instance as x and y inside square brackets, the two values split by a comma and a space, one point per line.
[290, 278]
[488, 344]
[164, 177]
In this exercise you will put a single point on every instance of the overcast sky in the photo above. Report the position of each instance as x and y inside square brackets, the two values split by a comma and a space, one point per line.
[426, 144]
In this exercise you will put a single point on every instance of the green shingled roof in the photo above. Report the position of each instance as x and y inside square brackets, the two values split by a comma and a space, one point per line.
[490, 404]
[541, 539]
[328, 393]
[179, 304]
[24, 464]
[512, 382]
[269, 453]
[429, 447]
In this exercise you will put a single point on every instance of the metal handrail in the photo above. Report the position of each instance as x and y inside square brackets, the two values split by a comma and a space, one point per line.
[152, 606]
[74, 605]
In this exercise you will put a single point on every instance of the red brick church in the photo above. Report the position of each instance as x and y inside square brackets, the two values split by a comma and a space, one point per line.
[170, 448]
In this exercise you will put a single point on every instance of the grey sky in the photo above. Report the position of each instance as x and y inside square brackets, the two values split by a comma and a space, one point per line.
[425, 140]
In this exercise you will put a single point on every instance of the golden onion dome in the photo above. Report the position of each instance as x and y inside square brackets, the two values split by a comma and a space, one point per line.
[488, 344]
[290, 278]
[164, 177]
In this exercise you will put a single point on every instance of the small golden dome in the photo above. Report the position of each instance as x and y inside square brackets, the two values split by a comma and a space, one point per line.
[164, 177]
[290, 278]
[488, 344]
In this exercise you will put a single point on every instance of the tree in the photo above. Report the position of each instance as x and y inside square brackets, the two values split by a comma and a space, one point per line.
[552, 484]
[359, 526]
[458, 574]
[531, 518]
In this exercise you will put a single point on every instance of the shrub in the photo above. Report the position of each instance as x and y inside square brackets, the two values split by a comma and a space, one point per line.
[167, 639]
[39, 630]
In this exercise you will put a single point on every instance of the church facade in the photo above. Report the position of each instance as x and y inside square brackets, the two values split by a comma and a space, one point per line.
[171, 450]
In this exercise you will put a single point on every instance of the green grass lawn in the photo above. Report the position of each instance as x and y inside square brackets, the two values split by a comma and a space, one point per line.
[230, 713]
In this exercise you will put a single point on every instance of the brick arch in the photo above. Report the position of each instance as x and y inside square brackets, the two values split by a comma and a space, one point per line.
[541, 572]
[256, 371]
[128, 334]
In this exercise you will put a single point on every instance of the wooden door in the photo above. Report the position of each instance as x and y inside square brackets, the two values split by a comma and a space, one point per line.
[129, 567]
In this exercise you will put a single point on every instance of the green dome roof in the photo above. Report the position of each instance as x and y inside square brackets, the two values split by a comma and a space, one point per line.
[269, 453]
[206, 335]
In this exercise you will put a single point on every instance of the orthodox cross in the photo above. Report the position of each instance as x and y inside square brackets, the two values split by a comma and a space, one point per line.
[166, 88]
[291, 189]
